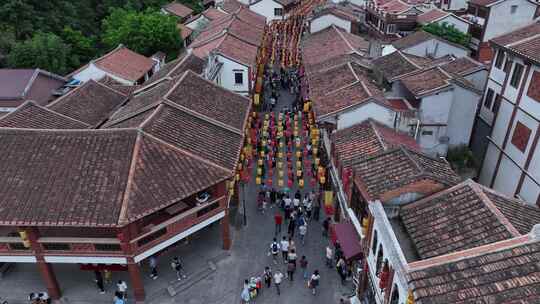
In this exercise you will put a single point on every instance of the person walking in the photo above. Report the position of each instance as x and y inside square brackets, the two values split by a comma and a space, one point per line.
[122, 289]
[274, 250]
[290, 270]
[314, 281]
[278, 277]
[176, 264]
[309, 207]
[284, 249]
[118, 298]
[340, 267]
[316, 207]
[303, 265]
[108, 276]
[245, 293]
[292, 256]
[329, 256]
[267, 276]
[153, 267]
[292, 227]
[302, 230]
[99, 281]
[326, 226]
[278, 220]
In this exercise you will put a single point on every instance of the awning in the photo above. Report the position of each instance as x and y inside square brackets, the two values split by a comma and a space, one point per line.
[348, 239]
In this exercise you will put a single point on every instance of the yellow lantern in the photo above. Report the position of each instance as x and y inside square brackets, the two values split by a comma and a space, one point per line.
[317, 161]
[410, 298]
[306, 107]
[248, 140]
[260, 162]
[280, 128]
[264, 142]
[298, 173]
[314, 142]
[256, 99]
[281, 144]
[320, 170]
[322, 180]
[24, 238]
[280, 165]
[258, 180]
[298, 164]
[265, 123]
[259, 171]
[315, 151]
[295, 132]
[262, 153]
[242, 156]
[237, 176]
[301, 183]
[298, 153]
[297, 144]
[280, 182]
[266, 116]
[280, 173]
[254, 114]
[240, 166]
[365, 223]
[280, 154]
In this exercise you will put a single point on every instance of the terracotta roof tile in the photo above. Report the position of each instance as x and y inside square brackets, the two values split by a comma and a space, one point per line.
[231, 6]
[506, 276]
[32, 116]
[91, 103]
[337, 10]
[395, 7]
[396, 168]
[196, 135]
[430, 80]
[484, 2]
[212, 101]
[459, 218]
[125, 63]
[178, 9]
[213, 13]
[431, 16]
[185, 31]
[330, 43]
[186, 61]
[463, 66]
[524, 41]
[419, 37]
[366, 139]
[18, 85]
[520, 214]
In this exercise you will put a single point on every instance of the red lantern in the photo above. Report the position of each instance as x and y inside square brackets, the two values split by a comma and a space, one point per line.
[384, 276]
[289, 183]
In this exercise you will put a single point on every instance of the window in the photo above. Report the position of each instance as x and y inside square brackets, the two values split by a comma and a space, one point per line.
[238, 78]
[278, 11]
[107, 247]
[500, 59]
[391, 29]
[496, 103]
[508, 65]
[207, 209]
[521, 136]
[427, 133]
[516, 76]
[56, 246]
[513, 9]
[489, 99]
[153, 236]
[534, 86]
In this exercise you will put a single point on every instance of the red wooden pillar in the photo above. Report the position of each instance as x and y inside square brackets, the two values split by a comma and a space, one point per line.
[136, 281]
[45, 269]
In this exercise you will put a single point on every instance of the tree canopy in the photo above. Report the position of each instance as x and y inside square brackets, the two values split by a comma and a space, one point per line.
[143, 32]
[79, 27]
[448, 32]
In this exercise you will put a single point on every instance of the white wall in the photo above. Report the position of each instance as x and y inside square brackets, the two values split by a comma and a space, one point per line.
[198, 23]
[455, 5]
[501, 124]
[324, 21]
[226, 76]
[488, 167]
[266, 8]
[367, 110]
[478, 79]
[500, 20]
[93, 72]
[462, 114]
[437, 49]
[507, 177]
[527, 103]
[458, 23]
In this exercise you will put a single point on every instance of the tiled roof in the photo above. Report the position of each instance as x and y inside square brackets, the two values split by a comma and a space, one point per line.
[195, 135]
[185, 31]
[486, 3]
[431, 16]
[212, 101]
[338, 60]
[524, 41]
[396, 168]
[456, 219]
[33, 116]
[186, 61]
[366, 139]
[234, 25]
[395, 7]
[339, 88]
[398, 63]
[231, 6]
[106, 182]
[18, 85]
[170, 151]
[337, 10]
[508, 275]
[118, 86]
[463, 66]
[330, 43]
[431, 80]
[419, 37]
[213, 13]
[91, 103]
[178, 9]
[520, 214]
[229, 46]
[125, 63]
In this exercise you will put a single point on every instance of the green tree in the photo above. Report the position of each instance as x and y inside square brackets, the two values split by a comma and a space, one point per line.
[83, 48]
[143, 32]
[448, 32]
[44, 50]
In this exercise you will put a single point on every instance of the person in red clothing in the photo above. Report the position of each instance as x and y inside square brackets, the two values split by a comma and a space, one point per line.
[278, 219]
